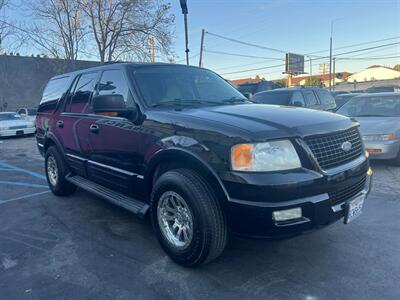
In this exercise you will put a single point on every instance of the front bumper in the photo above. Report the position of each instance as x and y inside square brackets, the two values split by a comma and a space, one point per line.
[15, 132]
[383, 150]
[321, 197]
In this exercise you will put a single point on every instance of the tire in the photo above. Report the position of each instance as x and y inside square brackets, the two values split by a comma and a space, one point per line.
[209, 226]
[56, 169]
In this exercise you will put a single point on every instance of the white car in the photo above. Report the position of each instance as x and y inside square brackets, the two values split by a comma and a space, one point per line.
[11, 124]
[27, 113]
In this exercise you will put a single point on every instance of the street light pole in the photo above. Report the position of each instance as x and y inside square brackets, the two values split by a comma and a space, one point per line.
[185, 12]
[310, 70]
[201, 48]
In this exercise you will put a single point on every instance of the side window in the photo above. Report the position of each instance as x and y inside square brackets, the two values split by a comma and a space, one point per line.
[53, 92]
[297, 97]
[113, 82]
[311, 100]
[82, 93]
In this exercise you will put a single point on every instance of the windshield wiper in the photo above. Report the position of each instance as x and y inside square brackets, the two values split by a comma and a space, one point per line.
[184, 102]
[234, 100]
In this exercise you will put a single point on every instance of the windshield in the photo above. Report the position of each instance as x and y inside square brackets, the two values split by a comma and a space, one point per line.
[160, 85]
[31, 112]
[278, 98]
[372, 106]
[10, 116]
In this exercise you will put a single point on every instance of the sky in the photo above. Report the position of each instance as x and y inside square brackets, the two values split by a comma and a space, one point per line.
[301, 27]
[293, 26]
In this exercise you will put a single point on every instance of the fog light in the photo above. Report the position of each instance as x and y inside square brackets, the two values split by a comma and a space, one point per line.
[369, 172]
[287, 214]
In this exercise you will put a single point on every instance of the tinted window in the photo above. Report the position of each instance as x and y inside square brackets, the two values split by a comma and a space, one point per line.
[55, 89]
[188, 86]
[326, 98]
[113, 82]
[31, 112]
[298, 98]
[311, 100]
[278, 98]
[382, 106]
[82, 93]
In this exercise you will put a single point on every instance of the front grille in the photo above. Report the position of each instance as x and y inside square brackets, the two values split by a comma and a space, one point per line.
[327, 149]
[18, 127]
[342, 195]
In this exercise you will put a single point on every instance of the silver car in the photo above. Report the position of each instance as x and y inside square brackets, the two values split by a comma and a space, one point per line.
[379, 117]
[12, 124]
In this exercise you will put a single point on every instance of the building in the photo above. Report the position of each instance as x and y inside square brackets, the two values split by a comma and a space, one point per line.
[23, 78]
[324, 78]
[256, 79]
[374, 73]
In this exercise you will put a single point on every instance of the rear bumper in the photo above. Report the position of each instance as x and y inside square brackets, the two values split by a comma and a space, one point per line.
[383, 150]
[15, 132]
[315, 196]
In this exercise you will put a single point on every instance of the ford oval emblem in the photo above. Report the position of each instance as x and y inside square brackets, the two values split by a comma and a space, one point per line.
[346, 146]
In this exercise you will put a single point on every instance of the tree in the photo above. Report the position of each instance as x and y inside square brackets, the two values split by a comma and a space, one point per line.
[60, 29]
[121, 28]
[315, 81]
[4, 28]
[397, 67]
[282, 82]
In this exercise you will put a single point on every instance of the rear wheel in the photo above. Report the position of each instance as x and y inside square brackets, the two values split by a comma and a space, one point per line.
[56, 170]
[187, 217]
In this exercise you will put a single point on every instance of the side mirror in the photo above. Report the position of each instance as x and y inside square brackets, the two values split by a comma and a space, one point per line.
[113, 104]
[248, 95]
[298, 104]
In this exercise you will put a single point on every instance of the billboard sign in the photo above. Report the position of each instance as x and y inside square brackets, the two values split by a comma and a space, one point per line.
[294, 64]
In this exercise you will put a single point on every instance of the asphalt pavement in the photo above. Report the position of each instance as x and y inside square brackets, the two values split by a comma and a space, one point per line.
[81, 247]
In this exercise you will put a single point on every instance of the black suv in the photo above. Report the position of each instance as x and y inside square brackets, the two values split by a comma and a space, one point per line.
[314, 98]
[183, 146]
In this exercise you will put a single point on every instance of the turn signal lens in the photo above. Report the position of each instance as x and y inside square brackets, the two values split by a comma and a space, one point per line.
[242, 156]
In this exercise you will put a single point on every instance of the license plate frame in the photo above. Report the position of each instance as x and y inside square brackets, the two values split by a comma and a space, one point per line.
[353, 208]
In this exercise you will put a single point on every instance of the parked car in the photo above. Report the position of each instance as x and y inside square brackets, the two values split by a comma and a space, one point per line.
[383, 89]
[182, 146]
[27, 113]
[249, 89]
[12, 124]
[314, 98]
[379, 116]
[342, 99]
[337, 93]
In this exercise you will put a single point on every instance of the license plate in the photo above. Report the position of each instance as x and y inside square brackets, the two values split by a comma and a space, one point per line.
[354, 209]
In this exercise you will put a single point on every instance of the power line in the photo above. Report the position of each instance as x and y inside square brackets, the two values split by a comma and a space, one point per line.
[241, 55]
[367, 58]
[246, 43]
[242, 65]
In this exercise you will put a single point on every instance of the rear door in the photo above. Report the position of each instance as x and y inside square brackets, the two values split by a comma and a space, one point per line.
[73, 122]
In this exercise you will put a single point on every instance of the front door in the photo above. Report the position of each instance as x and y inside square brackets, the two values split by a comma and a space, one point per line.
[116, 156]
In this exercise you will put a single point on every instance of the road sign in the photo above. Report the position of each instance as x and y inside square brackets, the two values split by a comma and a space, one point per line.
[294, 64]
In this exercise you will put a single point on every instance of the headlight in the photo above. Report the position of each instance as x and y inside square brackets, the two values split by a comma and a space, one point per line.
[378, 137]
[262, 157]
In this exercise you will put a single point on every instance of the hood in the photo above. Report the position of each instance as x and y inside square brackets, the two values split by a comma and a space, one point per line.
[12, 123]
[258, 121]
[379, 125]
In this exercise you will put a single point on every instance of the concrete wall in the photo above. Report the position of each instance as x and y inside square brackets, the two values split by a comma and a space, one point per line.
[350, 86]
[22, 79]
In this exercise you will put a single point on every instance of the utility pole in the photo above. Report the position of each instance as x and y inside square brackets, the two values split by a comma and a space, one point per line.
[201, 48]
[330, 58]
[310, 70]
[185, 12]
[152, 49]
[334, 72]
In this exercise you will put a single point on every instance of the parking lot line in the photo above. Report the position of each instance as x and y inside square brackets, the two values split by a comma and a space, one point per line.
[23, 184]
[23, 197]
[34, 174]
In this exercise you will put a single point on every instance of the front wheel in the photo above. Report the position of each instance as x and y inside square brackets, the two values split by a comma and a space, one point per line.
[56, 170]
[187, 217]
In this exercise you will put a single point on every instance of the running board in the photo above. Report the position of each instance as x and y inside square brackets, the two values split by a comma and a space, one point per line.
[137, 207]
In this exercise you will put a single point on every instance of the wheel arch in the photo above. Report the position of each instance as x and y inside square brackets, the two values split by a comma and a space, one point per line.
[174, 158]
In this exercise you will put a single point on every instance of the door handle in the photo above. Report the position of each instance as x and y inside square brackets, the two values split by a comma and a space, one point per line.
[94, 128]
[60, 124]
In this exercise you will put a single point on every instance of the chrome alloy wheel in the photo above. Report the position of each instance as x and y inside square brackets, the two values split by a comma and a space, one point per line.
[175, 219]
[52, 170]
